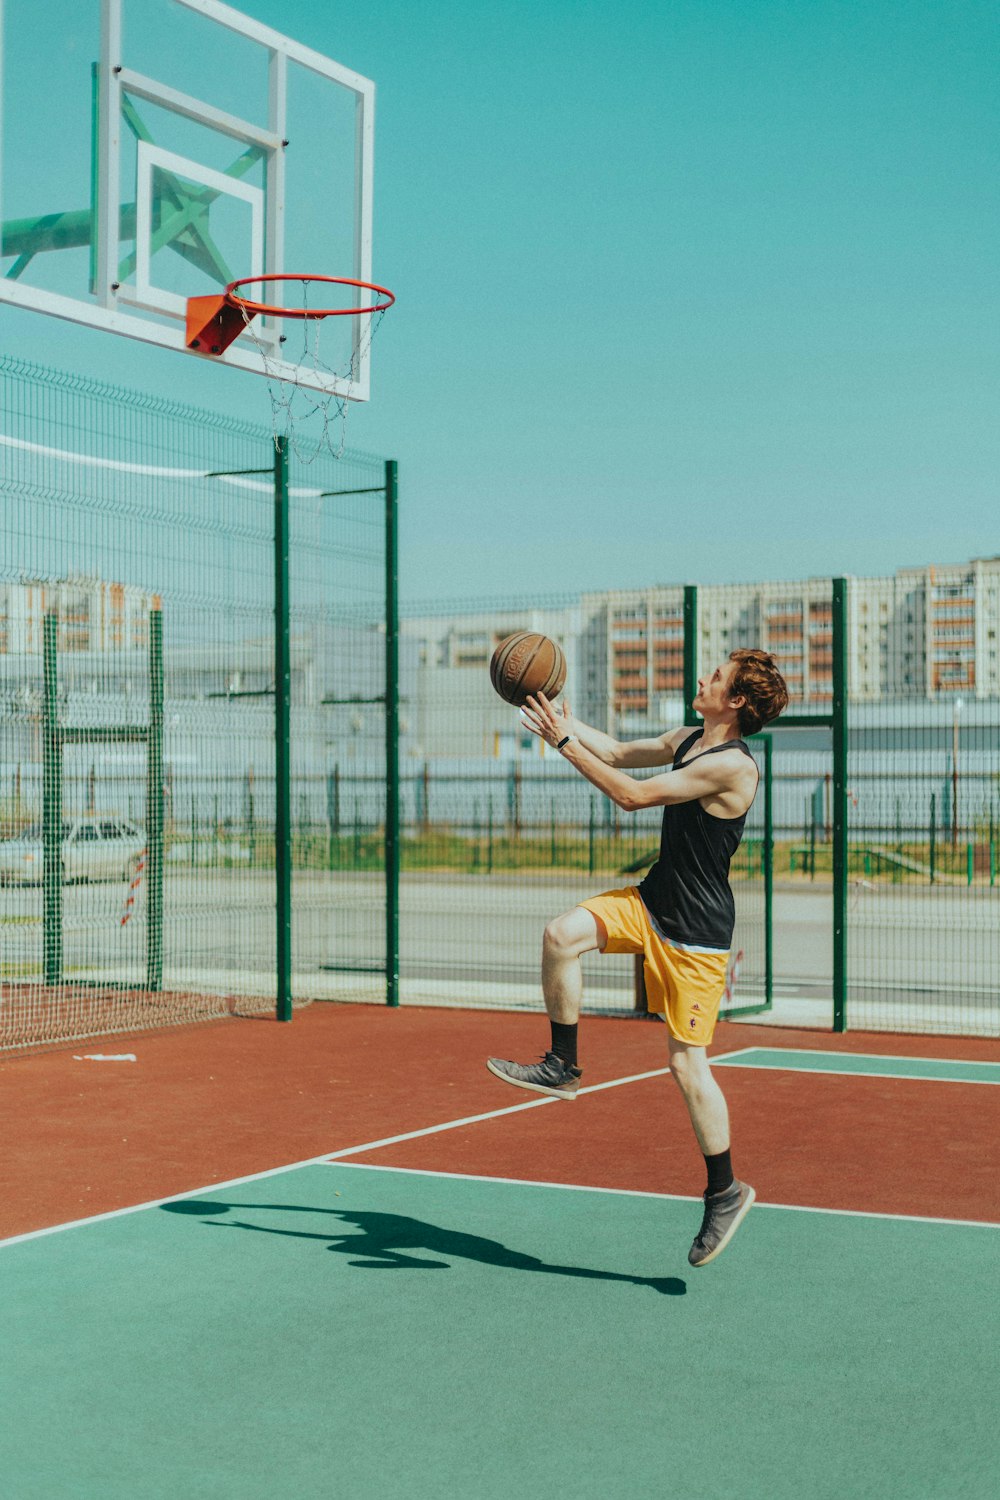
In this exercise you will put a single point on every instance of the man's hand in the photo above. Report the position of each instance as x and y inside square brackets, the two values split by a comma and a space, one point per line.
[549, 723]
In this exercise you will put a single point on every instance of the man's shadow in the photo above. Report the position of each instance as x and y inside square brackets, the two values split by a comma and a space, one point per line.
[384, 1240]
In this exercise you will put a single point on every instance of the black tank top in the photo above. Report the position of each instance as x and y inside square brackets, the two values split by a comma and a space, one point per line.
[687, 893]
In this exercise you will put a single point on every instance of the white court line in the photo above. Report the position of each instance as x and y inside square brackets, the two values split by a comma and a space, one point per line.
[331, 1158]
[583, 1187]
[878, 1056]
[493, 1114]
[137, 1208]
[726, 1056]
[311, 1161]
[736, 1059]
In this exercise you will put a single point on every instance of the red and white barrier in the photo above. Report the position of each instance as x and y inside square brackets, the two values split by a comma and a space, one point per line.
[140, 870]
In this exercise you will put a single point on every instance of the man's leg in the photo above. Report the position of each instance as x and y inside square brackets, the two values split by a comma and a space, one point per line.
[727, 1201]
[565, 941]
[705, 1101]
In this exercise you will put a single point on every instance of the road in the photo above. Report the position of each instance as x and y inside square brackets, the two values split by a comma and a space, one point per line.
[477, 940]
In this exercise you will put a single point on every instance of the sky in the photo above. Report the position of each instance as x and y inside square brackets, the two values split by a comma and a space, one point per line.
[687, 290]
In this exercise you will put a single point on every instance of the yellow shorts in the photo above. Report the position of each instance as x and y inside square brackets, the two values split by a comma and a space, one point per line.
[684, 985]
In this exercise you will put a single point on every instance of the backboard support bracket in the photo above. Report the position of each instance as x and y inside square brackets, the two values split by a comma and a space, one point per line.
[213, 323]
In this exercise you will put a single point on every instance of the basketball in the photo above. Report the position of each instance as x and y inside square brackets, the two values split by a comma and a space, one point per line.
[526, 664]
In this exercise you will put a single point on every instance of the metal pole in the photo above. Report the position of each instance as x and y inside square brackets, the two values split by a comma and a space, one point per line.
[954, 775]
[933, 833]
[52, 809]
[840, 846]
[154, 807]
[768, 874]
[690, 652]
[391, 733]
[282, 737]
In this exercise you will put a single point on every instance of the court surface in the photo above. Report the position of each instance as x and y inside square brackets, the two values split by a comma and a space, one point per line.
[489, 1295]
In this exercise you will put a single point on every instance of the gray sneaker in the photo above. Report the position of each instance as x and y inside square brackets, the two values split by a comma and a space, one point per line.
[550, 1076]
[724, 1213]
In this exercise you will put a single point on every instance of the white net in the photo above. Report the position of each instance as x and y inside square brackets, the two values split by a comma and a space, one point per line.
[313, 421]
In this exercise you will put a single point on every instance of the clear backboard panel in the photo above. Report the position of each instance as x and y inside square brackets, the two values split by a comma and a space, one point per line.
[156, 150]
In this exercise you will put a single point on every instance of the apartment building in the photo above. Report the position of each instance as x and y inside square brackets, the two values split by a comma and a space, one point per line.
[449, 706]
[92, 614]
[930, 632]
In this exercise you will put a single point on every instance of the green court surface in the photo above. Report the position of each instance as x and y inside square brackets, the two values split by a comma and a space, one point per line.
[938, 1069]
[391, 1335]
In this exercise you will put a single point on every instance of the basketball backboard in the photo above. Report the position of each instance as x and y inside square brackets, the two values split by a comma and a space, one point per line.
[155, 150]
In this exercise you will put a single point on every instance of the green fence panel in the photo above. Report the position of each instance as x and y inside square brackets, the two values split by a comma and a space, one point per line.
[140, 838]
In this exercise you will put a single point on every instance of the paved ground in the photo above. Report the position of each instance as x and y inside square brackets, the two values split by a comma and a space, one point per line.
[478, 939]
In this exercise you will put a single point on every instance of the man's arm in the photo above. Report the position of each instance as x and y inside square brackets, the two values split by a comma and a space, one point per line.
[636, 753]
[727, 780]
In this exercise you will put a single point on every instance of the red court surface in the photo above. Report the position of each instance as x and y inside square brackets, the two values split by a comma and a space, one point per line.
[205, 1104]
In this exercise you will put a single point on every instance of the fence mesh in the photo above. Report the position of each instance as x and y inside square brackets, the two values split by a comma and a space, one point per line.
[921, 794]
[137, 759]
[491, 850]
[499, 836]
[924, 802]
[139, 858]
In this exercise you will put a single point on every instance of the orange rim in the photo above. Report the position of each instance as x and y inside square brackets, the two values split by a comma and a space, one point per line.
[268, 310]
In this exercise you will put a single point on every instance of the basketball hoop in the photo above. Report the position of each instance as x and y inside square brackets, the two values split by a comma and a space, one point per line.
[267, 310]
[214, 322]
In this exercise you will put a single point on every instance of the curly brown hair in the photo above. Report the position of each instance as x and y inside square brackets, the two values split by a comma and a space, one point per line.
[759, 682]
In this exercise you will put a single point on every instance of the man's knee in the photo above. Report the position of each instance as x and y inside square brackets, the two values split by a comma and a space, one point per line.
[573, 933]
[689, 1066]
[679, 1069]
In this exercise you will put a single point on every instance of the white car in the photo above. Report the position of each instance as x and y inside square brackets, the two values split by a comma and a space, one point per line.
[93, 848]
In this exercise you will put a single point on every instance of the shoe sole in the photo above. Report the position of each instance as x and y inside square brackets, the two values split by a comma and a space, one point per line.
[533, 1088]
[751, 1200]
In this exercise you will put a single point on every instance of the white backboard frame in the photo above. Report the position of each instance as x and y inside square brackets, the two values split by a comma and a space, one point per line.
[117, 308]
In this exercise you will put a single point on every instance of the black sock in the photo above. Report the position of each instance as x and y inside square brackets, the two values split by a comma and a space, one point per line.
[564, 1042]
[720, 1172]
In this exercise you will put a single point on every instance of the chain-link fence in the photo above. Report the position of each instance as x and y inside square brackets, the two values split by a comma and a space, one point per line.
[201, 813]
[141, 847]
[492, 849]
[883, 911]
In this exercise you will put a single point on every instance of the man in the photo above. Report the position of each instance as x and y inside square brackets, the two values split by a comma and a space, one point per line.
[680, 918]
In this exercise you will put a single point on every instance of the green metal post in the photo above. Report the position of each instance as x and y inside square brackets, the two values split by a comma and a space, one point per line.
[933, 833]
[391, 733]
[768, 873]
[95, 157]
[282, 736]
[52, 809]
[840, 843]
[970, 862]
[690, 652]
[250, 821]
[154, 807]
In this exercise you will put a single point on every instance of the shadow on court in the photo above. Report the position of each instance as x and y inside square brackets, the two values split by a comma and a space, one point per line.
[383, 1241]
